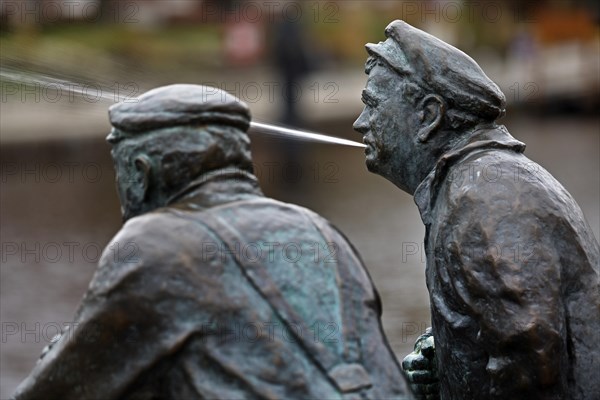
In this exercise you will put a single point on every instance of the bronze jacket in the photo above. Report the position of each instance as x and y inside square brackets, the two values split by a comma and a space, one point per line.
[228, 295]
[513, 276]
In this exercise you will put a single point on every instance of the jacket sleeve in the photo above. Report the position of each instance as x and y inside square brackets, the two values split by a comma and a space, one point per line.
[504, 268]
[122, 328]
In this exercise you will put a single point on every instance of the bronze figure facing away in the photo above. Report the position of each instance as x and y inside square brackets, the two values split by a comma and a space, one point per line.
[229, 295]
[512, 265]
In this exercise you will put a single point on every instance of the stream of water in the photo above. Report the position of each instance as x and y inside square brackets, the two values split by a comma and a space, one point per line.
[37, 79]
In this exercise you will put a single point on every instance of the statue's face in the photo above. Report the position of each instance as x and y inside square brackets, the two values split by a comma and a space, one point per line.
[389, 124]
[129, 180]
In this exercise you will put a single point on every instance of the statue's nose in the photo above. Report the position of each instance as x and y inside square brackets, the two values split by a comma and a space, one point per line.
[113, 137]
[361, 124]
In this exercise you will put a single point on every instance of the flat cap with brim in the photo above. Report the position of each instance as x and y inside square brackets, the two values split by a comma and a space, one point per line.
[437, 66]
[178, 105]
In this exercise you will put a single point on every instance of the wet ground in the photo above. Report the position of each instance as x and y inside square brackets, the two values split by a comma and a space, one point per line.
[59, 208]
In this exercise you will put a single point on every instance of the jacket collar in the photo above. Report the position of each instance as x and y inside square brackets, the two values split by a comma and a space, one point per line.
[482, 139]
[215, 188]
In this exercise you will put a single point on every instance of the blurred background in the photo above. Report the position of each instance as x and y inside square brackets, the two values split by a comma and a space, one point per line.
[298, 63]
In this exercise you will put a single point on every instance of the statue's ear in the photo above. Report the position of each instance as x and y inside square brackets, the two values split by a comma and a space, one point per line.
[144, 167]
[432, 112]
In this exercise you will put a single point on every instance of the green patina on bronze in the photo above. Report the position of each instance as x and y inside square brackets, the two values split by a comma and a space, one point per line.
[228, 294]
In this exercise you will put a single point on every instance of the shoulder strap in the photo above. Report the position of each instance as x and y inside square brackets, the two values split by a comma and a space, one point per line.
[346, 377]
[350, 304]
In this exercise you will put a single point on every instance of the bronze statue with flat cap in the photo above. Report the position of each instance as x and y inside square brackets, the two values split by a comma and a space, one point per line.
[512, 265]
[229, 295]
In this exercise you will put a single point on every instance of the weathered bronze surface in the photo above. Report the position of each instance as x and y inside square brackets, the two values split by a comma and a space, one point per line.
[217, 291]
[512, 265]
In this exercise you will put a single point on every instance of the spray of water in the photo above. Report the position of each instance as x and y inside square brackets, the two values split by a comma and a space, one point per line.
[39, 80]
[300, 134]
[74, 89]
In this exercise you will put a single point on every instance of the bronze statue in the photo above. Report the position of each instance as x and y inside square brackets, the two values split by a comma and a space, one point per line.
[228, 294]
[512, 265]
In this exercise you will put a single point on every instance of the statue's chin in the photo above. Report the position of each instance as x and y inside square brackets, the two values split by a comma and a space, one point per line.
[126, 215]
[129, 212]
[371, 165]
[376, 166]
[373, 161]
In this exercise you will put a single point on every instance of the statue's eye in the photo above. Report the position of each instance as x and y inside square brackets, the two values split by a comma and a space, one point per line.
[368, 99]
